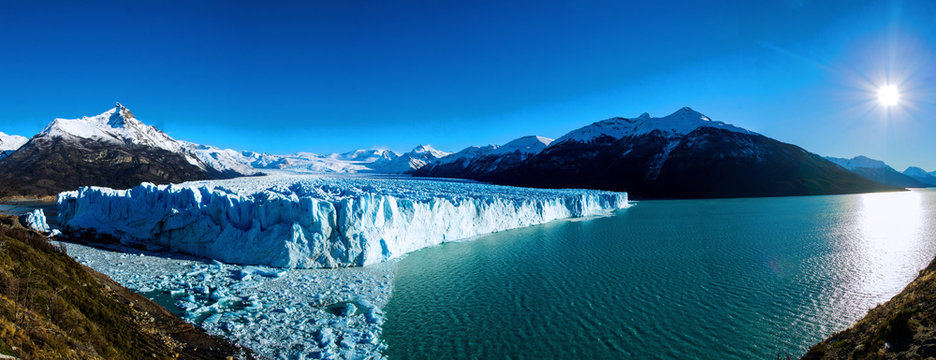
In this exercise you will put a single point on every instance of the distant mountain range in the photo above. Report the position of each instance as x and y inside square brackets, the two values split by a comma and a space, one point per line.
[877, 170]
[114, 149]
[682, 155]
[9, 144]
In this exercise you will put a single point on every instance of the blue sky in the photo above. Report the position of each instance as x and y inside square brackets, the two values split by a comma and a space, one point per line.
[338, 75]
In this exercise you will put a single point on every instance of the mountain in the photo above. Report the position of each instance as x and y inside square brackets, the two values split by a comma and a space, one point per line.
[112, 149]
[412, 160]
[878, 171]
[682, 155]
[921, 175]
[359, 161]
[475, 162]
[9, 143]
[305, 162]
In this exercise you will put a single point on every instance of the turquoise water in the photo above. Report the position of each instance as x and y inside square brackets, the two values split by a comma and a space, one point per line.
[686, 279]
[25, 206]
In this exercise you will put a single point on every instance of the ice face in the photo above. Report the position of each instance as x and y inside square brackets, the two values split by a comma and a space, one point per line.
[36, 220]
[317, 221]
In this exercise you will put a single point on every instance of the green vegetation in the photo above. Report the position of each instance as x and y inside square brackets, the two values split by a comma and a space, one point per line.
[902, 328]
[51, 307]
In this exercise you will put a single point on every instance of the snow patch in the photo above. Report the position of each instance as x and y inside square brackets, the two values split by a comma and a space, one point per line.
[858, 162]
[11, 142]
[677, 124]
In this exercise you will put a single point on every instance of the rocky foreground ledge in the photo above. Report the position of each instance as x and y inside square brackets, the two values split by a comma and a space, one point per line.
[902, 328]
[51, 307]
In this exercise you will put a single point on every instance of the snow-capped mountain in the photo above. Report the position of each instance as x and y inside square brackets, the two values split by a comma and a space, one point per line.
[921, 175]
[858, 162]
[225, 161]
[412, 160]
[878, 171]
[474, 161]
[112, 149]
[359, 161]
[116, 126]
[677, 124]
[9, 143]
[682, 155]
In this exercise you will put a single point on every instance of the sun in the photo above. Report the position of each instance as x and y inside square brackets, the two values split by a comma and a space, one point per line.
[888, 95]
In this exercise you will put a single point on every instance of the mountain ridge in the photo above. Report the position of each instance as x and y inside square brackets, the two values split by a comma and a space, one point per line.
[879, 171]
[681, 155]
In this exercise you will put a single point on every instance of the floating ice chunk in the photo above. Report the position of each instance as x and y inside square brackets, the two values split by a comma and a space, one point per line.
[186, 305]
[325, 337]
[35, 220]
[266, 272]
[370, 337]
[347, 341]
[317, 221]
[218, 265]
[373, 316]
[348, 310]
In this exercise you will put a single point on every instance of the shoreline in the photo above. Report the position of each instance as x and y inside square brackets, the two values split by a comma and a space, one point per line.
[903, 327]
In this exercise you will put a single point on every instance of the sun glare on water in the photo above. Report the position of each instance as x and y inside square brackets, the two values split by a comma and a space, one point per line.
[888, 95]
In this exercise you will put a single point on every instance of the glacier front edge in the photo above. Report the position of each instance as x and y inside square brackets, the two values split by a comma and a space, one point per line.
[317, 221]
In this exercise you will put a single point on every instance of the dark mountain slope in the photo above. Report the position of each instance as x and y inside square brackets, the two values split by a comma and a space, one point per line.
[112, 149]
[48, 165]
[707, 162]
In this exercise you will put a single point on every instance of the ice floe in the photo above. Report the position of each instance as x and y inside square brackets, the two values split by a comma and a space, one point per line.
[281, 314]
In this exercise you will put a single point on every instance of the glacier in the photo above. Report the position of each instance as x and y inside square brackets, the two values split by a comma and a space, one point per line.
[36, 220]
[317, 221]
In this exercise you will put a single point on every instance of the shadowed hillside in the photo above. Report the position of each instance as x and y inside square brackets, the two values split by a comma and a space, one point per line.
[51, 307]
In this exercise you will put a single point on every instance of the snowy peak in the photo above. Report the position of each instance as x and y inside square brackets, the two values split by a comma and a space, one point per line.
[916, 172]
[921, 175]
[858, 162]
[428, 149]
[11, 142]
[367, 156]
[677, 124]
[526, 145]
[117, 125]
[120, 117]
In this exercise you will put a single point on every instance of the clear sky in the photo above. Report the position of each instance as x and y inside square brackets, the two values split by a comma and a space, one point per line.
[331, 76]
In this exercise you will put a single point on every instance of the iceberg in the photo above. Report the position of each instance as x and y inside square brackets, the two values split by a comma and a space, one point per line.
[36, 220]
[317, 221]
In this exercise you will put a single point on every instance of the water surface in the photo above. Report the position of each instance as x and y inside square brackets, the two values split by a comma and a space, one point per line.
[697, 279]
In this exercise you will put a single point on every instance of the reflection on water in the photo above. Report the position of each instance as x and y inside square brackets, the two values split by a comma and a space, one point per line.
[890, 229]
[696, 279]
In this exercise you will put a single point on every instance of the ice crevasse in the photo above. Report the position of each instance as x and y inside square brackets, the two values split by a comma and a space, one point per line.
[317, 221]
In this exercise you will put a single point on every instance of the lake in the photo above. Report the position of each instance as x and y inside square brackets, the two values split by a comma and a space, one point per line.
[687, 279]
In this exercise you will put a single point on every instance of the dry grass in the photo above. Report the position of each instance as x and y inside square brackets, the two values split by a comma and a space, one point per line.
[902, 328]
[51, 307]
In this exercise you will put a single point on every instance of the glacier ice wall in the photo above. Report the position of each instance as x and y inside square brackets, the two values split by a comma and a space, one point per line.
[317, 221]
[35, 220]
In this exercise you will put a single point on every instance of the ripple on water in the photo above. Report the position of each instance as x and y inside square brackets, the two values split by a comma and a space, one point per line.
[728, 279]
